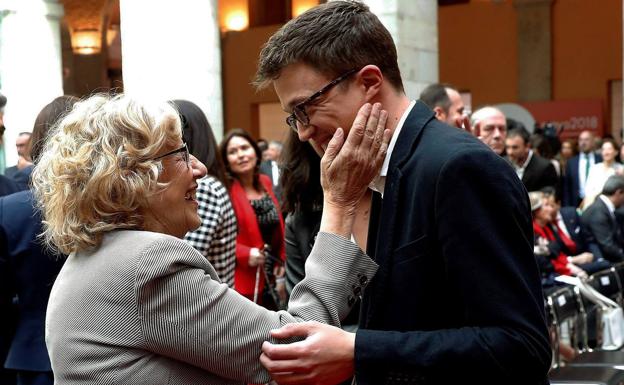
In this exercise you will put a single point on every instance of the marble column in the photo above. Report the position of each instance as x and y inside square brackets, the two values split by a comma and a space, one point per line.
[171, 50]
[534, 49]
[413, 25]
[30, 63]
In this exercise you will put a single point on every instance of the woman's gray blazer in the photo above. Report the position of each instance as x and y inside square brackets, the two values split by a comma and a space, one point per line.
[147, 308]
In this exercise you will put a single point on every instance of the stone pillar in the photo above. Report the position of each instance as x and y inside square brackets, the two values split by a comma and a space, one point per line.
[30, 63]
[413, 25]
[534, 50]
[171, 50]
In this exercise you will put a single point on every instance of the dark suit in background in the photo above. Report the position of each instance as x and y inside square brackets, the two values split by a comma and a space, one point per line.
[540, 173]
[267, 167]
[457, 297]
[571, 181]
[604, 229]
[579, 234]
[8, 186]
[7, 309]
[28, 274]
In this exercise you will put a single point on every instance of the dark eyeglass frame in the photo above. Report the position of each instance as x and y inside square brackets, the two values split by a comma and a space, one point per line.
[299, 113]
[185, 153]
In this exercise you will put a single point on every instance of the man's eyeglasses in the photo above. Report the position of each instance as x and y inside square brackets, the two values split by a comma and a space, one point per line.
[185, 154]
[299, 113]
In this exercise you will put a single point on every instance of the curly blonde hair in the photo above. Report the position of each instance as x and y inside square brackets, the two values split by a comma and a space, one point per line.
[97, 168]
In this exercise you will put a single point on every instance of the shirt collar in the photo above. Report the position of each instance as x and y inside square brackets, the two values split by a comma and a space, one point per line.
[528, 159]
[395, 135]
[378, 184]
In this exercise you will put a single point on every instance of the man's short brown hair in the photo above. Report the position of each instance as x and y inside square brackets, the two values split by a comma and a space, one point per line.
[333, 38]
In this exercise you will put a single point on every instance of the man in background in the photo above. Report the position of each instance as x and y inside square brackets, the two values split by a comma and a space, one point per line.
[533, 170]
[445, 101]
[270, 166]
[601, 222]
[577, 170]
[23, 160]
[490, 126]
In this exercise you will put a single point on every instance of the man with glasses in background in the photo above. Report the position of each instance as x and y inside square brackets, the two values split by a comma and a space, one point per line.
[457, 296]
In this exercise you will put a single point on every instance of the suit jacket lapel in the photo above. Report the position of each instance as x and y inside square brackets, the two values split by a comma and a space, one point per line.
[381, 230]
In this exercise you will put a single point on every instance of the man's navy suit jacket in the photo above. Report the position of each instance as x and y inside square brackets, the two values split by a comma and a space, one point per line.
[28, 272]
[571, 182]
[578, 232]
[457, 297]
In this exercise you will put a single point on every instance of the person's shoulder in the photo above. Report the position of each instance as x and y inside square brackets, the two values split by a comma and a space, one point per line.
[595, 208]
[537, 159]
[568, 211]
[8, 185]
[266, 181]
[138, 240]
[211, 185]
[137, 244]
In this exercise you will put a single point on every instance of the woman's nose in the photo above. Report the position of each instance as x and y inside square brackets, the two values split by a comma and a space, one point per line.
[199, 169]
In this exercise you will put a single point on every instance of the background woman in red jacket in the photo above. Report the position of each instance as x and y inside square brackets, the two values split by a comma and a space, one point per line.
[260, 240]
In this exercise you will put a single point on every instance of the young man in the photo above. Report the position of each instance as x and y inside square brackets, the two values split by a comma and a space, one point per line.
[457, 296]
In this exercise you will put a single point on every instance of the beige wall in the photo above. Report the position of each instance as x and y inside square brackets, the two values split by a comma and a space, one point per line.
[240, 52]
[478, 50]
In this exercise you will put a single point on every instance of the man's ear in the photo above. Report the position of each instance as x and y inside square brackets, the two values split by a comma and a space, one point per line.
[440, 114]
[371, 79]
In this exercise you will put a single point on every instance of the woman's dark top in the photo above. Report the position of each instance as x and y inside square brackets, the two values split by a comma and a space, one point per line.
[267, 215]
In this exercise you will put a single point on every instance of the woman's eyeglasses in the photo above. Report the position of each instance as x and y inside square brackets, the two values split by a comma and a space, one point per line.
[185, 154]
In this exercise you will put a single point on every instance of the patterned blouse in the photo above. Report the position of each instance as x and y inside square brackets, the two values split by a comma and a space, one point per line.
[216, 236]
[268, 218]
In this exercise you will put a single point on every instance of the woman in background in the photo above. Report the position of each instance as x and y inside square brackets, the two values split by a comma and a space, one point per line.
[303, 202]
[215, 238]
[600, 172]
[260, 250]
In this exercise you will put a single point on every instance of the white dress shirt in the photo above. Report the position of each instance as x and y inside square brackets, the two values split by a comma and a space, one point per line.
[520, 169]
[379, 182]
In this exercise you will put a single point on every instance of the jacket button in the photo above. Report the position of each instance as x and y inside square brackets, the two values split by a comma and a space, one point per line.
[351, 300]
[363, 280]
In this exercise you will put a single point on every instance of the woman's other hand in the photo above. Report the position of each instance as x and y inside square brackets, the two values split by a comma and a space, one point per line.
[581, 258]
[256, 257]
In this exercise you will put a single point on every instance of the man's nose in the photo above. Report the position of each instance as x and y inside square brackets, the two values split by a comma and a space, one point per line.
[304, 132]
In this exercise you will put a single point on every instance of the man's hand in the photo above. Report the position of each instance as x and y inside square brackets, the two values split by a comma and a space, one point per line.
[324, 357]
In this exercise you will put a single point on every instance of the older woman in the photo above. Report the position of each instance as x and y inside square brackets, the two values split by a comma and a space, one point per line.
[134, 304]
[215, 238]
